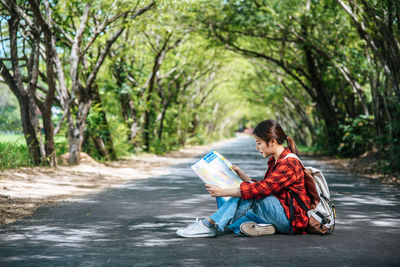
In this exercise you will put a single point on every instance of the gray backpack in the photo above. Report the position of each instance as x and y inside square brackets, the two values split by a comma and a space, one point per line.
[321, 212]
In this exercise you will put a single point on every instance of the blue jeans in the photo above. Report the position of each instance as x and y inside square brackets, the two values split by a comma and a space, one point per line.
[234, 211]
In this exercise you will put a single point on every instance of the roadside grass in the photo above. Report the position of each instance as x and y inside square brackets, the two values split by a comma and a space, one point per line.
[308, 151]
[13, 154]
[12, 138]
[14, 151]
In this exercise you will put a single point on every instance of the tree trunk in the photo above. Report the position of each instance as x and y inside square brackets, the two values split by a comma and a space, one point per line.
[26, 97]
[101, 147]
[130, 116]
[356, 88]
[194, 124]
[323, 102]
[165, 106]
[161, 127]
[377, 104]
[29, 120]
[159, 58]
[146, 127]
[76, 131]
[128, 109]
[181, 132]
[49, 137]
[211, 124]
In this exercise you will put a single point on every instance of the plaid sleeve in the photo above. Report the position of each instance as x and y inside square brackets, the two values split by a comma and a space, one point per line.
[283, 176]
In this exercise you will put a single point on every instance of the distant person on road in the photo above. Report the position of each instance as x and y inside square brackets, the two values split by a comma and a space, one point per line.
[260, 207]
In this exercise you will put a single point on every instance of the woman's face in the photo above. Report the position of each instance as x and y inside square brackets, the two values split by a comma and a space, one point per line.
[263, 148]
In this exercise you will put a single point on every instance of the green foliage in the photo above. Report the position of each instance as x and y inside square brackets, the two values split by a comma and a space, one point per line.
[10, 119]
[61, 145]
[191, 72]
[191, 87]
[391, 142]
[357, 135]
[308, 150]
[298, 49]
[17, 139]
[95, 121]
[14, 155]
[14, 151]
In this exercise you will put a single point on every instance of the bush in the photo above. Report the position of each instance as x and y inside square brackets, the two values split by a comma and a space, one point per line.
[14, 155]
[358, 136]
[61, 145]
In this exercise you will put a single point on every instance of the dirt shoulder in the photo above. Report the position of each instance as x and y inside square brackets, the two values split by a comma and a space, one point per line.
[366, 165]
[23, 190]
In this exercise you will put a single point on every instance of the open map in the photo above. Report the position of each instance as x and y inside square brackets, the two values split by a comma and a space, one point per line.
[214, 169]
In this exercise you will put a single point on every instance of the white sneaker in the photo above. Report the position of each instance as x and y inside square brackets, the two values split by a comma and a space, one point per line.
[197, 229]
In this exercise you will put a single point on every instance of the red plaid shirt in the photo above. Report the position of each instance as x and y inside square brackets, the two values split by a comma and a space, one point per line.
[282, 176]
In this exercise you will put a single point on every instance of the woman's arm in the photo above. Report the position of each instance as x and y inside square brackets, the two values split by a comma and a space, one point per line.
[216, 191]
[283, 176]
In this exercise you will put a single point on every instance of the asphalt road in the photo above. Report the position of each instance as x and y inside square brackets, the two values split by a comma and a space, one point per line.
[134, 225]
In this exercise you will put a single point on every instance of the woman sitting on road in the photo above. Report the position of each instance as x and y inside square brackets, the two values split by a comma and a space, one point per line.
[260, 207]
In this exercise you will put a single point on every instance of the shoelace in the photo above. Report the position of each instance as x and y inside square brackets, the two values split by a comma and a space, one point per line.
[190, 227]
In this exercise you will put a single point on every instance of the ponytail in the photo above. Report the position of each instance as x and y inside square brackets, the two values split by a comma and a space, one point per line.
[292, 145]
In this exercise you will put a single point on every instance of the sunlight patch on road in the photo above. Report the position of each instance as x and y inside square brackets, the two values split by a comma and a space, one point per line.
[14, 237]
[380, 219]
[149, 188]
[352, 200]
[150, 240]
[386, 223]
[58, 236]
[35, 257]
[190, 262]
[331, 185]
[175, 216]
[194, 199]
[358, 216]
[44, 257]
[147, 225]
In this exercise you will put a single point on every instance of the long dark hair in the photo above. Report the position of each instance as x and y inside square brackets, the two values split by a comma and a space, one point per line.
[270, 129]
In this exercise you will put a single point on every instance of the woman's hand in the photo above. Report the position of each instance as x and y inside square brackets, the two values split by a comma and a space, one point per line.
[240, 173]
[216, 191]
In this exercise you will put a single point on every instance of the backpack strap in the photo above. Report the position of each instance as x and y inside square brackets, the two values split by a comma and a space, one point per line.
[294, 195]
[291, 213]
[292, 155]
[291, 208]
[298, 199]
